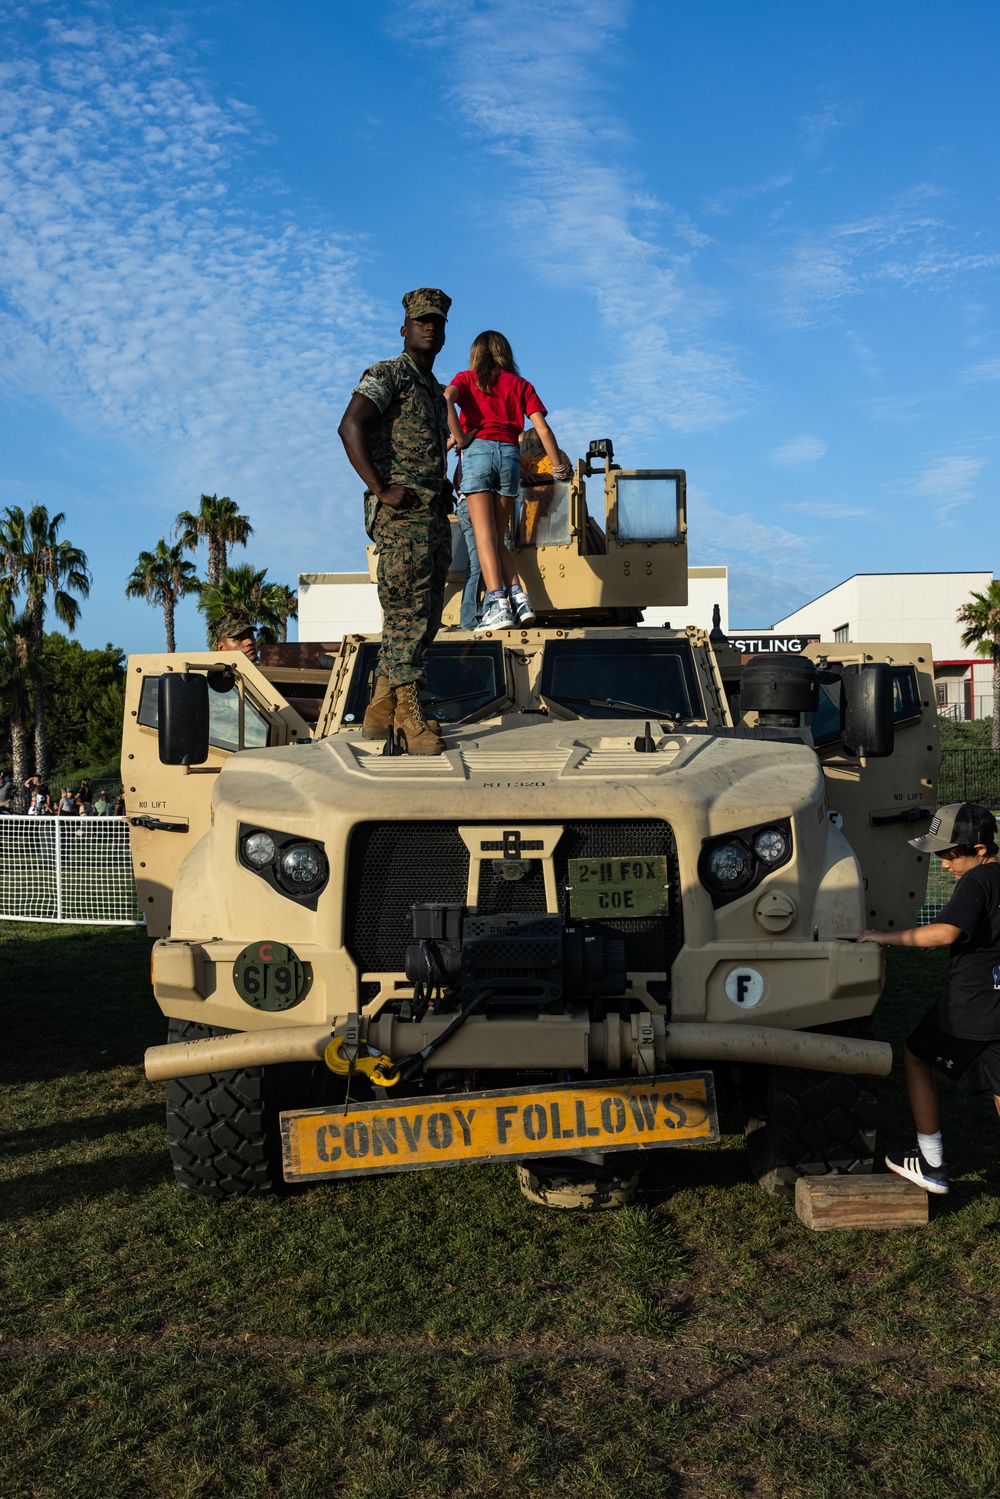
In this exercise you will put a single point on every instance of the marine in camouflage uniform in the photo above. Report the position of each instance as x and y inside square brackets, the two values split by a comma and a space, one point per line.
[235, 631]
[407, 442]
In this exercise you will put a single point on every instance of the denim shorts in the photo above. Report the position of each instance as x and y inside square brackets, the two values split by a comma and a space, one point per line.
[491, 467]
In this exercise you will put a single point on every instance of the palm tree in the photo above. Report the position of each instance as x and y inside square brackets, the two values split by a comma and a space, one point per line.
[285, 603]
[241, 591]
[15, 688]
[161, 578]
[981, 617]
[33, 559]
[221, 523]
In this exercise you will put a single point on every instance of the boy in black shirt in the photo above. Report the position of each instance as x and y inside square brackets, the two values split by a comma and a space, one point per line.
[960, 1034]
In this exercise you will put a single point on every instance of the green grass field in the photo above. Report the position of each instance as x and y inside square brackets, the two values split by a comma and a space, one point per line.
[431, 1335]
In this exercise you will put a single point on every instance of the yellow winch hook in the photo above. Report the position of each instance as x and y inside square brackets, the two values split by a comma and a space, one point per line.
[376, 1065]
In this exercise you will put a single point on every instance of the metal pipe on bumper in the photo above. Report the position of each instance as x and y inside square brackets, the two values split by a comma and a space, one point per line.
[572, 1042]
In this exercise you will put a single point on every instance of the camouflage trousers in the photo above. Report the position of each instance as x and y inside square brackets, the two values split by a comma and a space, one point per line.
[414, 555]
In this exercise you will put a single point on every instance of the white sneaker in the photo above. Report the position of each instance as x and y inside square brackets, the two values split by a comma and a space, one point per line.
[520, 605]
[496, 615]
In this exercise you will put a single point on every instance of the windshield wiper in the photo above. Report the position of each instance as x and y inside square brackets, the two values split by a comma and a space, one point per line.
[614, 702]
[458, 697]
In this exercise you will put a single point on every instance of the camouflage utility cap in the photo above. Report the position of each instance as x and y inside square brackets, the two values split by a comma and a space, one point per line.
[426, 301]
[231, 626]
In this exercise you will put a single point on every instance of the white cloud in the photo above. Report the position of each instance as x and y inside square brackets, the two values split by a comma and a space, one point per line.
[988, 370]
[801, 452]
[951, 483]
[731, 197]
[771, 569]
[143, 297]
[817, 128]
[527, 84]
[903, 243]
[865, 355]
[828, 509]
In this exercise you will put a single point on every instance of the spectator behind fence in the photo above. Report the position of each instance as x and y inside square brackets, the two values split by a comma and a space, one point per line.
[85, 792]
[120, 804]
[34, 786]
[66, 806]
[102, 806]
[6, 792]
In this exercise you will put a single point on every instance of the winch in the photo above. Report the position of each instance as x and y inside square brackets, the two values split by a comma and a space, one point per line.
[508, 958]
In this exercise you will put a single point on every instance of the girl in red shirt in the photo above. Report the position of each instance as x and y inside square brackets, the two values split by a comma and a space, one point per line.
[494, 400]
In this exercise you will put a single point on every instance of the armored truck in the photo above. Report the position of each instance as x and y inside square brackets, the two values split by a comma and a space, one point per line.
[624, 898]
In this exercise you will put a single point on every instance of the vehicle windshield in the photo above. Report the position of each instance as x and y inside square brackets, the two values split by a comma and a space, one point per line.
[627, 678]
[464, 679]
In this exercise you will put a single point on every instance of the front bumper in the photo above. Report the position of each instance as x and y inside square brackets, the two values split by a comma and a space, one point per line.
[643, 1044]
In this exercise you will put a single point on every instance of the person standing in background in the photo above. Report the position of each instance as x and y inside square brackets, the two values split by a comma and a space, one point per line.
[469, 616]
[493, 401]
[395, 434]
[960, 1034]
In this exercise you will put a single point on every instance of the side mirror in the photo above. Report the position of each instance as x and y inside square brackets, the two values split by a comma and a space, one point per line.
[183, 718]
[867, 726]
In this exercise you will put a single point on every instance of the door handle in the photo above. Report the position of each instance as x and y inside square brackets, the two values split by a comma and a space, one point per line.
[911, 814]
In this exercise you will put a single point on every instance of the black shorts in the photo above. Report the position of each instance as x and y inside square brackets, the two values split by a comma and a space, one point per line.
[977, 1062]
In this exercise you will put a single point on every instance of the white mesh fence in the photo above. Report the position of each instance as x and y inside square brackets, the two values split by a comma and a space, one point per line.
[75, 869]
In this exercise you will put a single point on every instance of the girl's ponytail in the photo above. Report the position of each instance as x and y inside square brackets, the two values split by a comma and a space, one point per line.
[489, 356]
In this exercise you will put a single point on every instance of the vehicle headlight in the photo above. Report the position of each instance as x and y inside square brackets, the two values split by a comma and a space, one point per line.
[259, 849]
[771, 846]
[301, 865]
[295, 867]
[729, 864]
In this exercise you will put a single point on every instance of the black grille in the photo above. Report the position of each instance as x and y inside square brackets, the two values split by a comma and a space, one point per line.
[393, 866]
[651, 942]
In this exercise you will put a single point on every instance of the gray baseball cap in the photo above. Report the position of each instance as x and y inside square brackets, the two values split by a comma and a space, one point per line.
[957, 823]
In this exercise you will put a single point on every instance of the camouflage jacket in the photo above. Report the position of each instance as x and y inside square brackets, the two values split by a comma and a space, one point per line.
[409, 438]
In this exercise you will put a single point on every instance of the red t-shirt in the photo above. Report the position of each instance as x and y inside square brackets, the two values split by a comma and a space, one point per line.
[499, 415]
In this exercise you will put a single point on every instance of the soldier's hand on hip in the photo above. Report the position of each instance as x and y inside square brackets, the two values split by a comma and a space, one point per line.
[396, 496]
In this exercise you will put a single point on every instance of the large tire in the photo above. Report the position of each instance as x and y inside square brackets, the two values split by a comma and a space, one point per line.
[802, 1123]
[579, 1186]
[223, 1126]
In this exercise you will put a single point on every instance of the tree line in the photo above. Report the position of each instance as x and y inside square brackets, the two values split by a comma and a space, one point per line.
[52, 691]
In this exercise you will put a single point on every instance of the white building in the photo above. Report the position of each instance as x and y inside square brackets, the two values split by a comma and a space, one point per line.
[912, 607]
[332, 605]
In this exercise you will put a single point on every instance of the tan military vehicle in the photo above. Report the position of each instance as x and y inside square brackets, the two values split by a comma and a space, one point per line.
[626, 895]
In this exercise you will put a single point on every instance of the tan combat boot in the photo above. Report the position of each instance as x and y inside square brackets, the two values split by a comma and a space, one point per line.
[381, 710]
[421, 739]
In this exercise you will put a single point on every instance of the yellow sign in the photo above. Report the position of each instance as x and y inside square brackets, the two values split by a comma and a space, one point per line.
[517, 1123]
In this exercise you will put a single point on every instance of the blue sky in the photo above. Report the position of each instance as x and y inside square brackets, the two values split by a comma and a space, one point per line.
[759, 242]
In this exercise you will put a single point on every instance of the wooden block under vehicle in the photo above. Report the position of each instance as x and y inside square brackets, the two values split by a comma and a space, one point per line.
[826, 1202]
